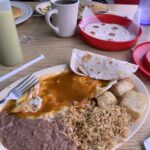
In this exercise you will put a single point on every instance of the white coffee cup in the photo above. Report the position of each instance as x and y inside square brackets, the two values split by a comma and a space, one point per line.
[64, 15]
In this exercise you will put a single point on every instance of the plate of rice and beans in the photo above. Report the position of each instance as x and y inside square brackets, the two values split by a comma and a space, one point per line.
[76, 107]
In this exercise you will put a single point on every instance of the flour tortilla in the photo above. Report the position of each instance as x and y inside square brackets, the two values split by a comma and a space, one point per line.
[100, 67]
[110, 32]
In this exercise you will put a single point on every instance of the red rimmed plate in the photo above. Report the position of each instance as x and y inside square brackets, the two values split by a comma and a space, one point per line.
[139, 55]
[105, 44]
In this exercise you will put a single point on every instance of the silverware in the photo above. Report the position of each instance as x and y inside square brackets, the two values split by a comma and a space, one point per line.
[21, 88]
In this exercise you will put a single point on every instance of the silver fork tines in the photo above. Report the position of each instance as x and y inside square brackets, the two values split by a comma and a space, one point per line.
[28, 82]
[21, 88]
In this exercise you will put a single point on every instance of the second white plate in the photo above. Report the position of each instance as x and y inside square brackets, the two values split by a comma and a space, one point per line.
[42, 6]
[26, 10]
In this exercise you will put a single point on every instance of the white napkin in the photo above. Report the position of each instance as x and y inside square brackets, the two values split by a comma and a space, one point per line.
[87, 13]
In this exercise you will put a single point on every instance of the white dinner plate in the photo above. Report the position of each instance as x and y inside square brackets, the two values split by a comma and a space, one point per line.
[42, 6]
[58, 69]
[26, 11]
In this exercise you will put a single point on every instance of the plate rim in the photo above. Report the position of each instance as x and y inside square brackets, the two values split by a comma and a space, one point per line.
[58, 69]
[144, 117]
[38, 6]
[24, 17]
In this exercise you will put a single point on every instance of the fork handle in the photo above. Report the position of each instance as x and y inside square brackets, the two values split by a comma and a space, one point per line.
[2, 101]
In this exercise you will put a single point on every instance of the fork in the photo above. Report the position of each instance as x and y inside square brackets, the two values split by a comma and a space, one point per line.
[21, 88]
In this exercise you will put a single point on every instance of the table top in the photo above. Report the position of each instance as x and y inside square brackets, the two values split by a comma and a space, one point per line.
[37, 38]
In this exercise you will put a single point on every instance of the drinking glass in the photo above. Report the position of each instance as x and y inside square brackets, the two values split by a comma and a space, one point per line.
[145, 12]
[10, 50]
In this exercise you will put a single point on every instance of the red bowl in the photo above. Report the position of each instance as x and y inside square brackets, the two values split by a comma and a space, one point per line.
[146, 60]
[104, 44]
[126, 2]
[139, 58]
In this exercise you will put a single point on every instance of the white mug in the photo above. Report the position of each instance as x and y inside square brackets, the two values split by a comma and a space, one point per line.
[64, 15]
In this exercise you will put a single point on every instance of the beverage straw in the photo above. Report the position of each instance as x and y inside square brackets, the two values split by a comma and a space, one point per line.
[10, 74]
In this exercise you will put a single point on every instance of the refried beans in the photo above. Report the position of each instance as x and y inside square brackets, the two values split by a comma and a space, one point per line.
[27, 134]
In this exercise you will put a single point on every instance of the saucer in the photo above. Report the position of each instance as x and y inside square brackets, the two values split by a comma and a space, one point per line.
[141, 57]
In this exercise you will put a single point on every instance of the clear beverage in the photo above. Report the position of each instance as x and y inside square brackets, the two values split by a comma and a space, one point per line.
[145, 12]
[10, 50]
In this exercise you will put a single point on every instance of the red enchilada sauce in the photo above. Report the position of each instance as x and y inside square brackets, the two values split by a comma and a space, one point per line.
[61, 90]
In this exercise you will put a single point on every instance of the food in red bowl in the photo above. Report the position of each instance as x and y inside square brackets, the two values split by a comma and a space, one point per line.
[119, 25]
